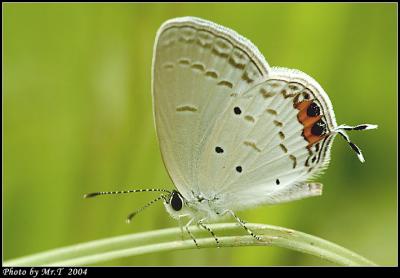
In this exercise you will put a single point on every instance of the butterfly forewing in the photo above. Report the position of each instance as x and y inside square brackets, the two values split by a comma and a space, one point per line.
[200, 69]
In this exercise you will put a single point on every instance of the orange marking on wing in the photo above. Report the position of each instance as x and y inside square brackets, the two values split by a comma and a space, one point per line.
[311, 138]
[302, 115]
[308, 122]
[303, 105]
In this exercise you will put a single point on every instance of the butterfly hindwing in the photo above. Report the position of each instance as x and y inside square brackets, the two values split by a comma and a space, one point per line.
[265, 152]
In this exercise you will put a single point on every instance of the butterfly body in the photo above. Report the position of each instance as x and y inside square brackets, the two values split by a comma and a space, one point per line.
[197, 208]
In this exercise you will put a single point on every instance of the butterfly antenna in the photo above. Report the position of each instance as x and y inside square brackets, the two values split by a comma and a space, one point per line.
[94, 194]
[133, 214]
[342, 131]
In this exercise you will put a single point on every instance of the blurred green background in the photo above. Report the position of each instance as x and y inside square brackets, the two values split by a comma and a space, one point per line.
[78, 118]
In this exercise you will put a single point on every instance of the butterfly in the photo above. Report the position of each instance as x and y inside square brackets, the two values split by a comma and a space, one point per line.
[234, 132]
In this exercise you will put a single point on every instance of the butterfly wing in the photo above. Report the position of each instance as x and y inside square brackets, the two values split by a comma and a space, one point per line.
[273, 146]
[198, 69]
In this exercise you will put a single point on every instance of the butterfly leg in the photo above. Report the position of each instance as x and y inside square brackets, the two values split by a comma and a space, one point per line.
[190, 233]
[201, 224]
[243, 224]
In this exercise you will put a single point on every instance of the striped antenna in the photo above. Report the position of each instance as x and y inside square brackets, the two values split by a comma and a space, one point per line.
[94, 194]
[341, 130]
[133, 214]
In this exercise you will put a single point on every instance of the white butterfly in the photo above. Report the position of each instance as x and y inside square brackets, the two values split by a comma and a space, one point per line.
[234, 133]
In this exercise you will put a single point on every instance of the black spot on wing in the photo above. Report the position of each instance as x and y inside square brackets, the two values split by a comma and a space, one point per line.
[237, 110]
[318, 128]
[313, 110]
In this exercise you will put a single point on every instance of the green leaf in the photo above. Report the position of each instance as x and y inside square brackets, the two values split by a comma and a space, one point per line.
[229, 235]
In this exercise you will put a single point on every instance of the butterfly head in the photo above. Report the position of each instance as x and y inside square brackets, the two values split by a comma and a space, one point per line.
[176, 205]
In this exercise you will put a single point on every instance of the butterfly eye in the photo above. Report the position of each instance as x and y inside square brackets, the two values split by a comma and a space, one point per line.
[219, 150]
[176, 201]
[239, 169]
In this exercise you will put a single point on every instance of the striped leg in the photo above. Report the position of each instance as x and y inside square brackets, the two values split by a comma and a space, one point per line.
[200, 223]
[243, 224]
[190, 233]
